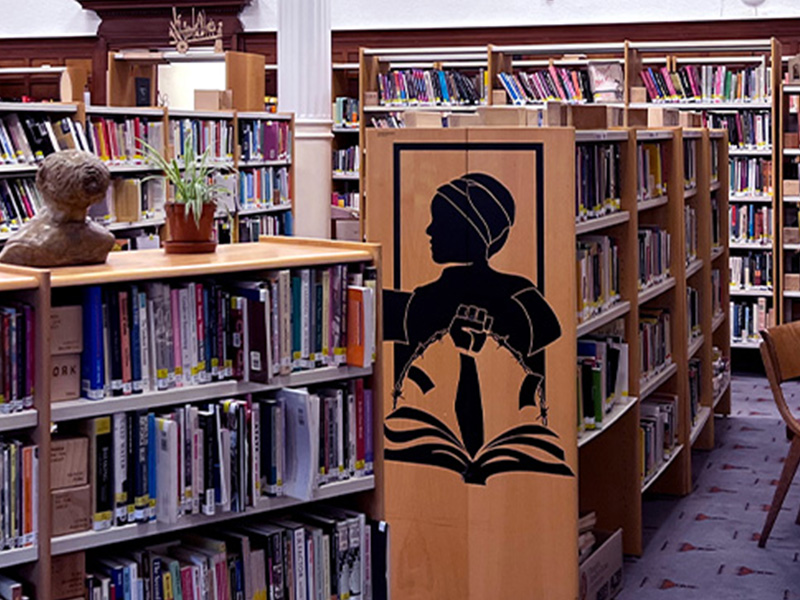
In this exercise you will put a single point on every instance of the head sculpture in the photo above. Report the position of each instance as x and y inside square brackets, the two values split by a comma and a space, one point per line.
[69, 181]
[470, 219]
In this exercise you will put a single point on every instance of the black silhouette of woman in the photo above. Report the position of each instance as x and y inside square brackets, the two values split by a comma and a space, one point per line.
[471, 218]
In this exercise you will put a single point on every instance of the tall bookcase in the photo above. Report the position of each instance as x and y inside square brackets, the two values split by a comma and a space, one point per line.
[32, 425]
[755, 164]
[44, 288]
[616, 494]
[346, 181]
[112, 131]
[757, 167]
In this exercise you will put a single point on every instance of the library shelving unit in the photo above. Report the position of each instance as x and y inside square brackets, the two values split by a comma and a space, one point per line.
[32, 425]
[128, 167]
[523, 517]
[559, 63]
[751, 112]
[374, 111]
[19, 171]
[44, 288]
[720, 326]
[273, 212]
[789, 197]
[345, 205]
[615, 494]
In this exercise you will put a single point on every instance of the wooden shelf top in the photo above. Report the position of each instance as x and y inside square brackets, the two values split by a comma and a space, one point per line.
[695, 344]
[47, 107]
[750, 151]
[10, 281]
[125, 111]
[229, 258]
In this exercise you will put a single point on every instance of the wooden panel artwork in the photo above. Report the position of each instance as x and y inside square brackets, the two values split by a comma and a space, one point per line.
[480, 442]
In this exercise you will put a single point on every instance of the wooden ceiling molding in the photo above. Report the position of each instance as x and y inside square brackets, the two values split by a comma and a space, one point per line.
[144, 24]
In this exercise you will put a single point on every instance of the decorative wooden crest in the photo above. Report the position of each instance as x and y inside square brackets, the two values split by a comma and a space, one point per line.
[198, 29]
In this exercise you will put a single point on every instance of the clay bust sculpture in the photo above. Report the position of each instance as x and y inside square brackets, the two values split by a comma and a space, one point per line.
[69, 182]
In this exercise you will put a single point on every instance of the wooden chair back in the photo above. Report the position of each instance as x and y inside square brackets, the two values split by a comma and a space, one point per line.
[781, 355]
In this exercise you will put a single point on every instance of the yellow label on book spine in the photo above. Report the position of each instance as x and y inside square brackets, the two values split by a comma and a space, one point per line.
[102, 425]
[162, 373]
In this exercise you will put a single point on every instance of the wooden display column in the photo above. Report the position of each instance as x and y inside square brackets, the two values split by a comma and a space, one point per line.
[478, 231]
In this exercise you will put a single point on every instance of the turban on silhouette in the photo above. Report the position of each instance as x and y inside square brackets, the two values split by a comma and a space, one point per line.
[485, 203]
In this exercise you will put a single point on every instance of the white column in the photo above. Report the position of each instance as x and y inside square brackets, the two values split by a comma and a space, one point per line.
[304, 88]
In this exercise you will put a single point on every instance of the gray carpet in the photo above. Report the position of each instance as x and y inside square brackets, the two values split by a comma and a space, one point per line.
[704, 546]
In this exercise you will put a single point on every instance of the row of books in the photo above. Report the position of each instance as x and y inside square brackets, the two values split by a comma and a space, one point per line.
[118, 140]
[754, 270]
[212, 135]
[655, 341]
[17, 356]
[28, 138]
[714, 160]
[251, 227]
[690, 232]
[654, 255]
[265, 140]
[716, 292]
[157, 336]
[345, 112]
[746, 128]
[225, 456]
[602, 376]
[751, 223]
[695, 385]
[415, 87]
[598, 275]
[750, 176]
[320, 552]
[346, 200]
[20, 200]
[388, 121]
[748, 317]
[659, 420]
[131, 199]
[690, 164]
[598, 185]
[553, 83]
[346, 160]
[692, 312]
[264, 186]
[721, 370]
[708, 83]
[716, 223]
[19, 493]
[651, 176]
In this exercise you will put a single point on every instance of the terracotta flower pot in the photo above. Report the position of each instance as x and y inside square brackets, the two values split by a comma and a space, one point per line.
[186, 235]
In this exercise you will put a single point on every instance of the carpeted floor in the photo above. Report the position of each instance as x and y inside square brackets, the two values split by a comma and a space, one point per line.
[704, 546]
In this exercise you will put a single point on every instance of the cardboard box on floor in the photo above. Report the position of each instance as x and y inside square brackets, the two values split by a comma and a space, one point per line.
[601, 573]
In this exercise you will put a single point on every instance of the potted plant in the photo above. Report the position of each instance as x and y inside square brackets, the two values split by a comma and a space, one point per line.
[190, 214]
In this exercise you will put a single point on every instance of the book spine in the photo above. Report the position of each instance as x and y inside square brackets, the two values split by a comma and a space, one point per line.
[134, 318]
[125, 343]
[120, 464]
[115, 342]
[92, 371]
[144, 341]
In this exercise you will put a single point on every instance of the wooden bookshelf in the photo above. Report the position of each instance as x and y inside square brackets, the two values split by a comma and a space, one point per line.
[32, 425]
[425, 504]
[346, 135]
[33, 564]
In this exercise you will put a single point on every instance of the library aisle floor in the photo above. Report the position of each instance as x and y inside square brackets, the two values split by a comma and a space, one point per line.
[704, 546]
